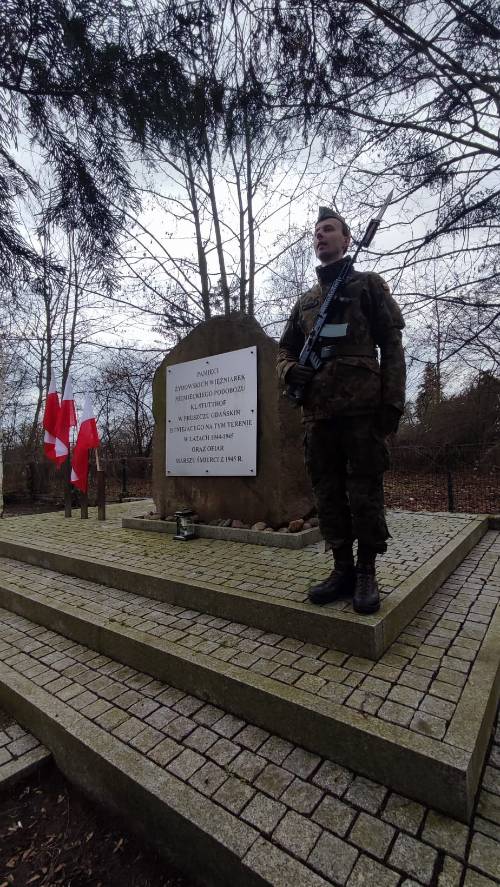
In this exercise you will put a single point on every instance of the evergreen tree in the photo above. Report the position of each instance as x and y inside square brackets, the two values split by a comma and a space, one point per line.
[79, 81]
[429, 394]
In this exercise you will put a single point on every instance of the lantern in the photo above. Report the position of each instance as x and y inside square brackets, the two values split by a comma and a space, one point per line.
[184, 525]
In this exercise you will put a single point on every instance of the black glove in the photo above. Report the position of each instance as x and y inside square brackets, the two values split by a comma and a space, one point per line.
[387, 420]
[299, 375]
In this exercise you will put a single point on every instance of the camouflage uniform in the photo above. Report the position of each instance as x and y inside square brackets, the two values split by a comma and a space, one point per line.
[346, 451]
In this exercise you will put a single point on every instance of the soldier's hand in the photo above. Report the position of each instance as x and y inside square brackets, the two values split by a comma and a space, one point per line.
[388, 419]
[299, 375]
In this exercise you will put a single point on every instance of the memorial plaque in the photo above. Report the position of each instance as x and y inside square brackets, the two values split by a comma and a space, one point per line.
[212, 416]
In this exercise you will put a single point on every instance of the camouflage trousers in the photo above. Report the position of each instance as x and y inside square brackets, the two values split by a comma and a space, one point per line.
[346, 458]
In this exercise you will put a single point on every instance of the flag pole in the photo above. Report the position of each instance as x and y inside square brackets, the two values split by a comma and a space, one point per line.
[101, 489]
[84, 506]
[67, 485]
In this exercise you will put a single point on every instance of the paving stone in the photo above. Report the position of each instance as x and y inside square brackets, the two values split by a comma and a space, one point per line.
[428, 724]
[485, 855]
[396, 713]
[445, 833]
[445, 691]
[201, 739]
[207, 715]
[334, 815]
[333, 777]
[367, 703]
[297, 834]
[247, 765]
[302, 796]
[251, 737]
[368, 872]
[97, 708]
[413, 857]
[440, 708]
[491, 780]
[372, 835]
[366, 794]
[406, 696]
[180, 727]
[451, 873]
[489, 806]
[208, 778]
[147, 739]
[128, 729]
[487, 828]
[170, 696]
[82, 700]
[111, 718]
[274, 780]
[185, 764]
[165, 752]
[376, 686]
[223, 751]
[333, 858]
[161, 716]
[228, 726]
[22, 745]
[5, 755]
[474, 879]
[264, 813]
[403, 813]
[273, 867]
[276, 749]
[301, 762]
[234, 794]
[143, 708]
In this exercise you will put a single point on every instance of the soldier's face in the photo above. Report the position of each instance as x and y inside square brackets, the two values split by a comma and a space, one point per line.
[330, 243]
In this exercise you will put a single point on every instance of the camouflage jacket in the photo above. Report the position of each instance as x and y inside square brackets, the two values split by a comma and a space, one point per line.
[355, 381]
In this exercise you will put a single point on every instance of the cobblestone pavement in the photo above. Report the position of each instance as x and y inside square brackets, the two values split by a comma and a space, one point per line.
[347, 829]
[19, 750]
[269, 572]
[416, 684]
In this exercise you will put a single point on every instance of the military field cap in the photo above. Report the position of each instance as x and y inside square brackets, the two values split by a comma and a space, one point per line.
[324, 212]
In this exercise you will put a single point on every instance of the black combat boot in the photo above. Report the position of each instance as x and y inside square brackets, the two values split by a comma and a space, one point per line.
[366, 595]
[339, 584]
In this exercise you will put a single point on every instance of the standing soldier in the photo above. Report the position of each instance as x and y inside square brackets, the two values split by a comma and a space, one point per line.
[350, 405]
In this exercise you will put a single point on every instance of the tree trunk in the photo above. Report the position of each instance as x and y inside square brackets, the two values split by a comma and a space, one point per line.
[202, 258]
[243, 272]
[218, 235]
[250, 222]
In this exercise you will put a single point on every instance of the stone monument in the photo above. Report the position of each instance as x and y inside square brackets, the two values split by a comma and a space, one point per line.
[278, 491]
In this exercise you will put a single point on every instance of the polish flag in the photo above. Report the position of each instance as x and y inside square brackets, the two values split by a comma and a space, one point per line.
[49, 422]
[65, 421]
[88, 439]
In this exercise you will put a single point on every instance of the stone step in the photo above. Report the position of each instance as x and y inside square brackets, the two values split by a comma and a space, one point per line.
[230, 802]
[264, 588]
[20, 752]
[142, 773]
[417, 720]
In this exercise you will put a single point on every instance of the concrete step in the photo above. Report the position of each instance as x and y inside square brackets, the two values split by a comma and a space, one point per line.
[417, 720]
[264, 588]
[230, 802]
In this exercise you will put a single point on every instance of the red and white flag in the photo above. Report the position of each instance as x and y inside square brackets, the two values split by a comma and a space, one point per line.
[88, 439]
[50, 416]
[65, 421]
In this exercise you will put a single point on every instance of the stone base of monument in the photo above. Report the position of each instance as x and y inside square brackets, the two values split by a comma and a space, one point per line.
[261, 751]
[229, 534]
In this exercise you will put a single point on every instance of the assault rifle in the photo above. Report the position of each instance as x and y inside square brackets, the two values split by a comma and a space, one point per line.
[309, 355]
